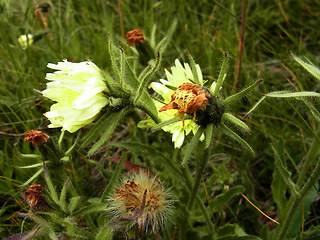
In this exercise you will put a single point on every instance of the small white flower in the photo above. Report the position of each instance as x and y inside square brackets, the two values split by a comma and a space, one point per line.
[25, 40]
[179, 75]
[78, 90]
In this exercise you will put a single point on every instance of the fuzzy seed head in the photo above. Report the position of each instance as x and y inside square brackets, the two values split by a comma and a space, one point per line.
[144, 200]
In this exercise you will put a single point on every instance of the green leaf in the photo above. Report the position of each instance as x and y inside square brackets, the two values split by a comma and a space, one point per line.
[162, 45]
[111, 123]
[165, 123]
[113, 55]
[33, 156]
[279, 163]
[105, 232]
[286, 94]
[63, 203]
[220, 201]
[278, 193]
[309, 67]
[52, 191]
[191, 146]
[33, 177]
[237, 138]
[312, 109]
[256, 105]
[236, 121]
[193, 69]
[99, 207]
[208, 134]
[73, 203]
[241, 94]
[95, 131]
[32, 166]
[222, 74]
[115, 177]
[144, 80]
[146, 104]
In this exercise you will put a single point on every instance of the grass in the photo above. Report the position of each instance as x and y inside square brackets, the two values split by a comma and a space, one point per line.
[283, 131]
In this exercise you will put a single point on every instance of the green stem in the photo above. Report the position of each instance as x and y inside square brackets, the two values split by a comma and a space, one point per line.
[201, 166]
[296, 201]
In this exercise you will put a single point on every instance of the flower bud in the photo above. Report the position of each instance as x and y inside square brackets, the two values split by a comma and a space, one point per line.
[136, 38]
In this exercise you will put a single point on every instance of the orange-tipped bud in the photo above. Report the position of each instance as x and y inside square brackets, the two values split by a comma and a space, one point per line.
[135, 37]
[36, 137]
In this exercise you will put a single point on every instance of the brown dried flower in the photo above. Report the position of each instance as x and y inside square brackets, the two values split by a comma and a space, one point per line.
[35, 198]
[188, 98]
[135, 37]
[36, 137]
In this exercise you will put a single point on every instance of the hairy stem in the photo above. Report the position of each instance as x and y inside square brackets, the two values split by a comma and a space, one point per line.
[201, 166]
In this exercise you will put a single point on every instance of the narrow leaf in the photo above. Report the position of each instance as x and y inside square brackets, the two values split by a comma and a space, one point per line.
[217, 204]
[105, 233]
[312, 109]
[34, 156]
[146, 104]
[255, 106]
[241, 94]
[98, 207]
[144, 81]
[165, 123]
[162, 45]
[278, 193]
[115, 177]
[237, 138]
[31, 166]
[222, 74]
[33, 177]
[236, 121]
[208, 134]
[193, 69]
[309, 67]
[63, 195]
[286, 176]
[285, 94]
[191, 146]
[51, 188]
[113, 120]
[73, 203]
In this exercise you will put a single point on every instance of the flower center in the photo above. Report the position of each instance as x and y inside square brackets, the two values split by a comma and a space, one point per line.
[188, 98]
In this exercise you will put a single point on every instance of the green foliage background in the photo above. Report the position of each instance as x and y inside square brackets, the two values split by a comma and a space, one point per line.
[286, 129]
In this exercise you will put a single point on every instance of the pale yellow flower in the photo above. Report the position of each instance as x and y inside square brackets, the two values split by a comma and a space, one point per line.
[78, 90]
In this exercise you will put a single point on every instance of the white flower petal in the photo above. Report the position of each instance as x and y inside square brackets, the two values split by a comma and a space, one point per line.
[179, 138]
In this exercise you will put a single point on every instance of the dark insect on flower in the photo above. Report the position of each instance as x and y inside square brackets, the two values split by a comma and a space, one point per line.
[35, 198]
[135, 37]
[36, 137]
